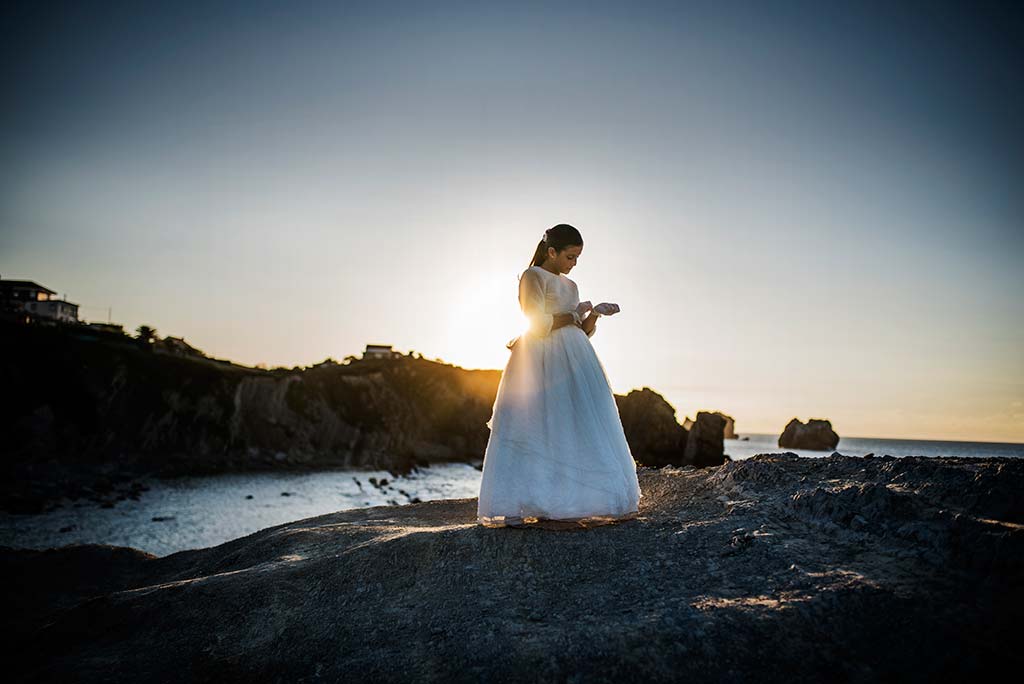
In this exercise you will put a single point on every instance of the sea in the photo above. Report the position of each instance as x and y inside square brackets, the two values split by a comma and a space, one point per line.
[185, 513]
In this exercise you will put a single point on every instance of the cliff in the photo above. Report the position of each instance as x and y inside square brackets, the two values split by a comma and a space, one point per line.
[772, 569]
[81, 404]
[89, 411]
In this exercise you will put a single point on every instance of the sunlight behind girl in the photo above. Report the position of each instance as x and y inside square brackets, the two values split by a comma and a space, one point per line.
[482, 320]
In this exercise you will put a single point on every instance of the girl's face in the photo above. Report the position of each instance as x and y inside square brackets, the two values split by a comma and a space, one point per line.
[564, 261]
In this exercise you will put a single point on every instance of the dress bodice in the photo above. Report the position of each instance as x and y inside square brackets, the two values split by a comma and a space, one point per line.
[543, 294]
[561, 294]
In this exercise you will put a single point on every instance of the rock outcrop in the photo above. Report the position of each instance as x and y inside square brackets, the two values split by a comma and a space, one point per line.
[730, 426]
[704, 446]
[771, 569]
[657, 439]
[816, 434]
[655, 436]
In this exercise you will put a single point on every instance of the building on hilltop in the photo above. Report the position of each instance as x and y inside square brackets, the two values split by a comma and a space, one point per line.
[177, 346]
[26, 301]
[380, 351]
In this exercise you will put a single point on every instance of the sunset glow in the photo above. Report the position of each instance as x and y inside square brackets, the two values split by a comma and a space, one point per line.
[790, 229]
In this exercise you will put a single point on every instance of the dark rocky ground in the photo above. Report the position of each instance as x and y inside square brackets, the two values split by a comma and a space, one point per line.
[776, 568]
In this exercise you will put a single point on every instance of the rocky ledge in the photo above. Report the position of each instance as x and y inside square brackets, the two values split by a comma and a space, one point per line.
[775, 568]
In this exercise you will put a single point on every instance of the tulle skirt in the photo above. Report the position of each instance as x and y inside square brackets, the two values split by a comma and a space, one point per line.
[557, 455]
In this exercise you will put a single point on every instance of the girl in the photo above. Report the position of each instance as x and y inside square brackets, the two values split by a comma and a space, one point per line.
[557, 455]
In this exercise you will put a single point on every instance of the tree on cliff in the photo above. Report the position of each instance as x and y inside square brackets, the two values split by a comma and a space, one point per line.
[146, 336]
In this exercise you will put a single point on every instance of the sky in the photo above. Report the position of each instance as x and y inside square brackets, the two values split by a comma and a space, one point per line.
[806, 209]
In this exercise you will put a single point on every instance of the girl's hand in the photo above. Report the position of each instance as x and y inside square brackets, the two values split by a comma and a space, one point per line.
[583, 308]
[606, 308]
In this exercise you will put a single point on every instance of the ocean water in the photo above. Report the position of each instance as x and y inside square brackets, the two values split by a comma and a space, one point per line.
[198, 512]
[862, 446]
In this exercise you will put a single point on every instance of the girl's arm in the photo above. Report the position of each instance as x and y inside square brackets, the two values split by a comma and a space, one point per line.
[590, 323]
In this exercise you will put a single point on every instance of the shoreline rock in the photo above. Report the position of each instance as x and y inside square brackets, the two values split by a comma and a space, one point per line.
[649, 422]
[657, 439]
[816, 434]
[704, 446]
[774, 568]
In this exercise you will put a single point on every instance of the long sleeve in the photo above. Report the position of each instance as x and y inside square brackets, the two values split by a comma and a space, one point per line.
[531, 300]
[577, 289]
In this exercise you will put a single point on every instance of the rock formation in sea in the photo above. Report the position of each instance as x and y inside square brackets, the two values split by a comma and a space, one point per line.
[730, 426]
[655, 437]
[816, 434]
[775, 568]
[704, 446]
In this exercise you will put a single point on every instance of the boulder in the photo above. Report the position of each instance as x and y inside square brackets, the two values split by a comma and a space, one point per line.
[704, 445]
[655, 437]
[817, 434]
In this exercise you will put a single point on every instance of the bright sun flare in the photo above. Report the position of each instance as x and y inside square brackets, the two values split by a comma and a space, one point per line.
[482, 321]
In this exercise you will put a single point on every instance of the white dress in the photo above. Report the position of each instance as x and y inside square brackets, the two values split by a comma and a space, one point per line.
[556, 451]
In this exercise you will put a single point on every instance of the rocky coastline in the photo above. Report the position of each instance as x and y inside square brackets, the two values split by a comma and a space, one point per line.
[102, 414]
[775, 568]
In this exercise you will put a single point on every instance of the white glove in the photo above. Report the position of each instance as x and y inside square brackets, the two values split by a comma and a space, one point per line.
[606, 308]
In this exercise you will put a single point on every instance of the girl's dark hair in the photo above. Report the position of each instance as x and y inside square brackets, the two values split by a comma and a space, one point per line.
[561, 236]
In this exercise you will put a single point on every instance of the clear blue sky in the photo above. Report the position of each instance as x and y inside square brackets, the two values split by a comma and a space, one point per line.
[809, 209]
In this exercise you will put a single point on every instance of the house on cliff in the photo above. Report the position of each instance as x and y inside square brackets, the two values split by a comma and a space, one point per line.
[380, 351]
[25, 301]
[177, 346]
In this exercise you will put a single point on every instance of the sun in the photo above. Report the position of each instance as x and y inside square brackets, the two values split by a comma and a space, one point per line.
[482, 320]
